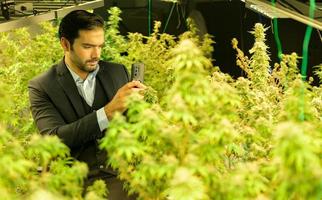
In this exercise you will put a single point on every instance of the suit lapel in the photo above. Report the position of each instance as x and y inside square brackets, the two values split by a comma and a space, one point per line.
[107, 81]
[67, 82]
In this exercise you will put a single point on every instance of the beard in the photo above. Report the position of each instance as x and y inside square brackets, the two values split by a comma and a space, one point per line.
[87, 65]
[90, 65]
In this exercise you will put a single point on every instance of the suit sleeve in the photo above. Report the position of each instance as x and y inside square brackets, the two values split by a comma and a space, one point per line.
[49, 120]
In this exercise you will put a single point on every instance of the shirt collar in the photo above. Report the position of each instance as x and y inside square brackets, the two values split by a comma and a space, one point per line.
[78, 79]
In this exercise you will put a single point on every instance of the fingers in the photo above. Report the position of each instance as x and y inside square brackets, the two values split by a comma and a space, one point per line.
[129, 88]
[118, 101]
[135, 84]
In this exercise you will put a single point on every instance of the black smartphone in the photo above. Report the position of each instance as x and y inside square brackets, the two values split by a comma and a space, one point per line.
[137, 72]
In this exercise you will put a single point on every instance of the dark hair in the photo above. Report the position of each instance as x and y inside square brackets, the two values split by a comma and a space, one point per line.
[78, 20]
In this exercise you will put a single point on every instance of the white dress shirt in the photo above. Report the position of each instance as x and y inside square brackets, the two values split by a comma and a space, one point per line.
[86, 88]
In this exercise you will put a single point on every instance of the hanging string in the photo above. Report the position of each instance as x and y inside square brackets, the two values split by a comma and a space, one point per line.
[169, 17]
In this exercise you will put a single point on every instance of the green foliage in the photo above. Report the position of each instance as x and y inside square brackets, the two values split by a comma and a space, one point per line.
[259, 62]
[286, 71]
[213, 137]
[38, 165]
[45, 149]
[296, 161]
[168, 145]
[97, 191]
[153, 51]
[115, 44]
[318, 72]
[198, 133]
[31, 57]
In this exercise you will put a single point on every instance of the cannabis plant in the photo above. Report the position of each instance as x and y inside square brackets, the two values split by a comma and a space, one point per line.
[37, 166]
[213, 137]
[206, 136]
[32, 56]
[153, 50]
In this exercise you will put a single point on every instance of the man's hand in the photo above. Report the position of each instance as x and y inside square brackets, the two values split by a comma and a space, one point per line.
[117, 104]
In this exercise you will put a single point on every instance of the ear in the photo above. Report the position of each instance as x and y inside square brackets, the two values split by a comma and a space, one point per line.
[65, 44]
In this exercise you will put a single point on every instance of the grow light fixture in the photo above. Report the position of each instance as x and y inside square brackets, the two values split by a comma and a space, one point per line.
[266, 9]
[45, 16]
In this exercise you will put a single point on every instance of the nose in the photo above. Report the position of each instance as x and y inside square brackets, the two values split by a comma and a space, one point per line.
[96, 53]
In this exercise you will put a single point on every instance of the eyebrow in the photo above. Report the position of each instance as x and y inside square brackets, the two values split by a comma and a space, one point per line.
[92, 45]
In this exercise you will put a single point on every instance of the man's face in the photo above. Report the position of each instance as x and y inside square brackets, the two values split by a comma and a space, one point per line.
[86, 49]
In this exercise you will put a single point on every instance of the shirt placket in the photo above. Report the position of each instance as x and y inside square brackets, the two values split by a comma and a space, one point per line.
[87, 92]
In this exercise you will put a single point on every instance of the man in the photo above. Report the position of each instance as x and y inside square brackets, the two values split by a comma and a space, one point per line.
[76, 98]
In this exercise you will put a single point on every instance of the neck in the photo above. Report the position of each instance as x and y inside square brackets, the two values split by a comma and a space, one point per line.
[82, 74]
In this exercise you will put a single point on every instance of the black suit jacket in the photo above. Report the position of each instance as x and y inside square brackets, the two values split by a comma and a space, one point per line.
[58, 110]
